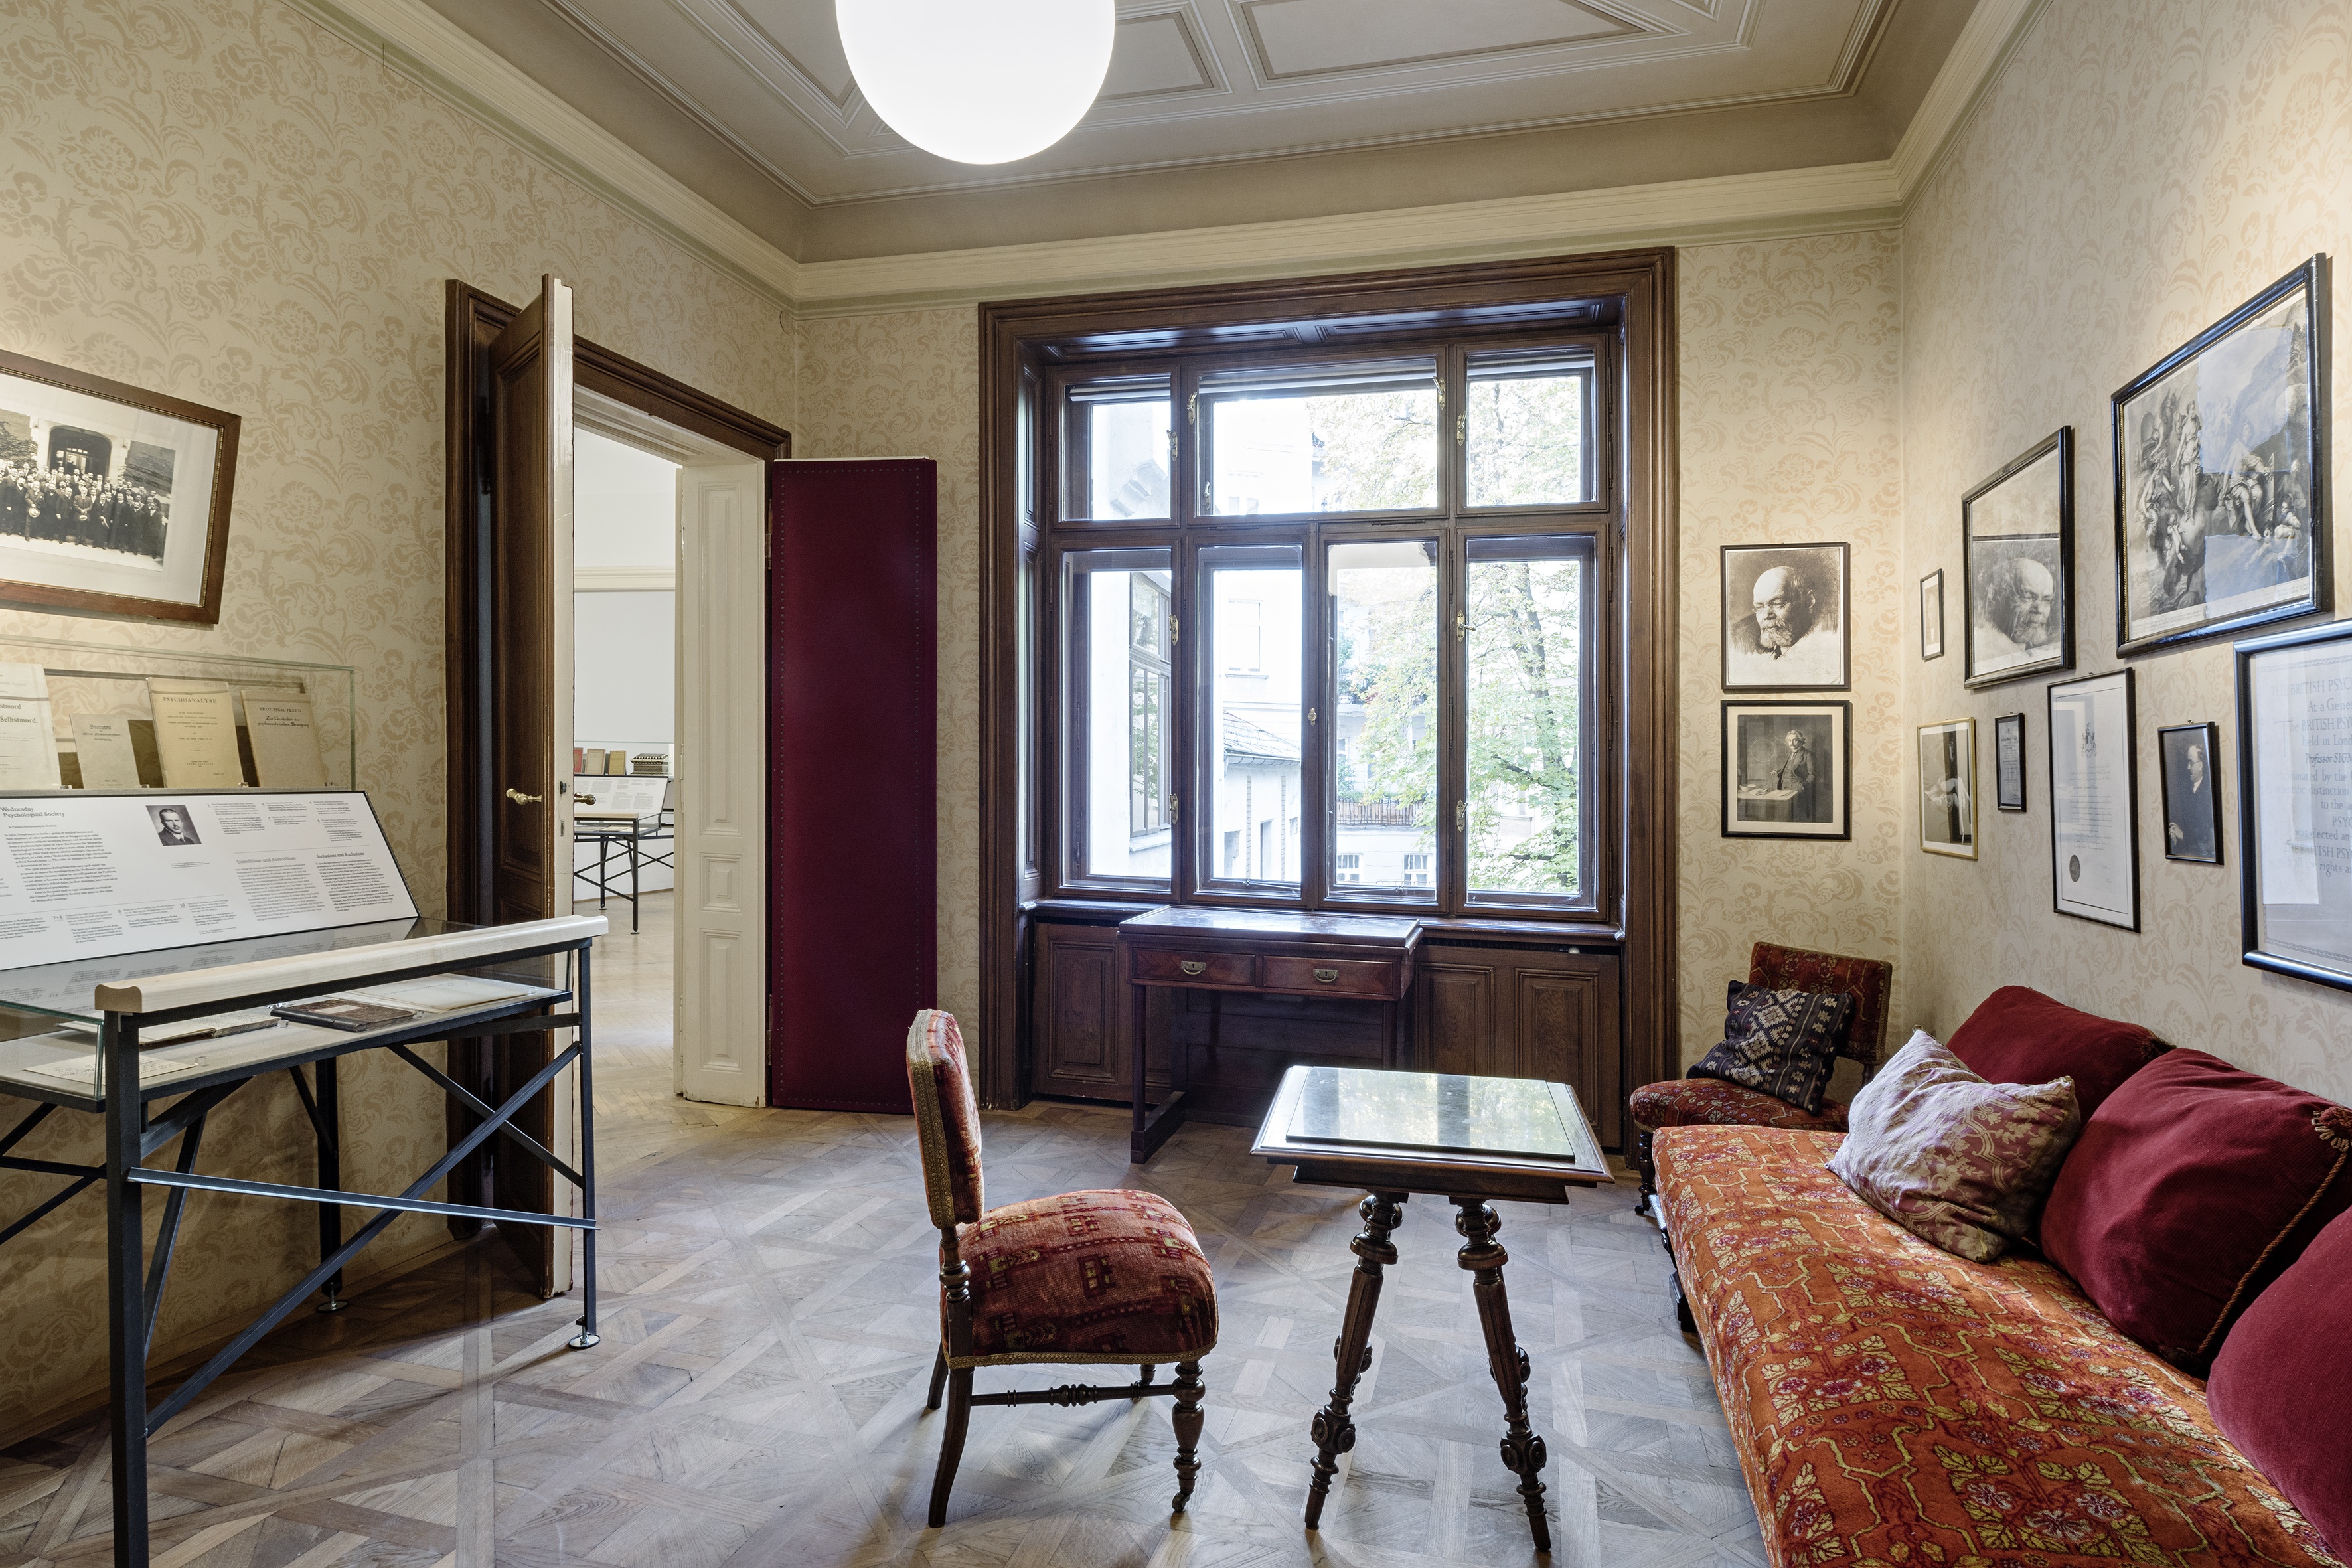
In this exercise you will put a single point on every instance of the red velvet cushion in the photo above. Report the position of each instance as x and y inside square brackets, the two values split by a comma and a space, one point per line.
[2019, 1035]
[2282, 1387]
[2191, 1187]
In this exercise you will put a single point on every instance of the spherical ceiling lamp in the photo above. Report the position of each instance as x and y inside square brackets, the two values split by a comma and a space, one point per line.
[979, 81]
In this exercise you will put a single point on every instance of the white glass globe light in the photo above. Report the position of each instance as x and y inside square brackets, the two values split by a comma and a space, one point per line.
[979, 81]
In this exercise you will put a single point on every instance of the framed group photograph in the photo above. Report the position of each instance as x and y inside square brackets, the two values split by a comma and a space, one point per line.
[2017, 550]
[2095, 799]
[1948, 788]
[2220, 454]
[1785, 767]
[2009, 762]
[1931, 615]
[1784, 618]
[2294, 837]
[2193, 791]
[113, 498]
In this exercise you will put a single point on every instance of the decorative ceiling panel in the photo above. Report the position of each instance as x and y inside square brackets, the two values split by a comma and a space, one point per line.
[1290, 39]
[1155, 54]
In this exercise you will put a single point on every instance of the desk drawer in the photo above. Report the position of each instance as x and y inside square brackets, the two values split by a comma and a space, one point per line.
[1175, 966]
[1332, 976]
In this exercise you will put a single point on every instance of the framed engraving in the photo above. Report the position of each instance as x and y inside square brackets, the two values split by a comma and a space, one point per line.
[2009, 762]
[1784, 618]
[1785, 769]
[2191, 756]
[2295, 770]
[1931, 615]
[2220, 454]
[2095, 799]
[2017, 549]
[1948, 788]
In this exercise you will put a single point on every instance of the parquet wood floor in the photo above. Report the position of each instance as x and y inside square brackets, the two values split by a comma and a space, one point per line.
[770, 1319]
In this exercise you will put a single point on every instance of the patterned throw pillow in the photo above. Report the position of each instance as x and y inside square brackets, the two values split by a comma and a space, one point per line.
[1950, 1158]
[1780, 1043]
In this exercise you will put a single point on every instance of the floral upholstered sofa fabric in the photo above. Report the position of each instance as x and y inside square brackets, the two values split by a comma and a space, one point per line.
[1894, 1405]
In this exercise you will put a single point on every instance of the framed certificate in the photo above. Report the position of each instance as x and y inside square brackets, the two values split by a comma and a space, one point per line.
[2009, 762]
[2095, 801]
[2294, 769]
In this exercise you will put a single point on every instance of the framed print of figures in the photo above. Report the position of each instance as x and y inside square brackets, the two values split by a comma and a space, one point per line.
[2009, 762]
[1784, 620]
[2221, 471]
[1784, 769]
[2017, 550]
[2095, 799]
[1948, 788]
[1931, 615]
[111, 499]
[2295, 770]
[2193, 789]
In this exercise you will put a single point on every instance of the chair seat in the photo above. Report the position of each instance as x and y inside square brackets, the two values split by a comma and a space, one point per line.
[1711, 1103]
[1109, 1276]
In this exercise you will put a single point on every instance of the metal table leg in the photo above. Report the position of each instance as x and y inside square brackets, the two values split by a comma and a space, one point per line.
[587, 1336]
[126, 1305]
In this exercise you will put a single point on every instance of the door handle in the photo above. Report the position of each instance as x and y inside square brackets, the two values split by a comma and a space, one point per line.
[1327, 977]
[1192, 965]
[519, 798]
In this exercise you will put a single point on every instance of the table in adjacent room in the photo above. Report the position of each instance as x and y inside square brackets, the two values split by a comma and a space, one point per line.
[1468, 1139]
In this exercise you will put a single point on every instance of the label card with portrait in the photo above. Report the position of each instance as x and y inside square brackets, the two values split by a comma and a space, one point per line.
[2220, 473]
[1931, 615]
[1785, 768]
[2095, 799]
[1948, 788]
[2192, 792]
[2294, 774]
[2009, 762]
[1784, 618]
[2017, 546]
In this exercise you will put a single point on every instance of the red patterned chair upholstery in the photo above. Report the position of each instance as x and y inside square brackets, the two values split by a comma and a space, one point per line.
[1090, 1278]
[1711, 1103]
[1892, 1403]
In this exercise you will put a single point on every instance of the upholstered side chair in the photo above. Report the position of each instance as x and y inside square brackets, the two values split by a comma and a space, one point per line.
[1711, 1103]
[1082, 1279]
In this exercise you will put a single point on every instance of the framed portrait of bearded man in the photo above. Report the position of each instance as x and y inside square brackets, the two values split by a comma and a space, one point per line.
[1784, 618]
[2221, 518]
[2017, 544]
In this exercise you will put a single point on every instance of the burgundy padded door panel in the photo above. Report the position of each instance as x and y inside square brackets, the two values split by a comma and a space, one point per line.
[852, 673]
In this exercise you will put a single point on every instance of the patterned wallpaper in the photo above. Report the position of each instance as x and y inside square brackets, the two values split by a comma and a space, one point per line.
[1791, 402]
[220, 200]
[2139, 168]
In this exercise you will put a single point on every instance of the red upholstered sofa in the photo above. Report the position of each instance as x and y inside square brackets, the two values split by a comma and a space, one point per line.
[1894, 1405]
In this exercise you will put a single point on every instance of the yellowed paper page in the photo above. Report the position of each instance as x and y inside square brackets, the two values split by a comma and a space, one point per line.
[28, 744]
[196, 737]
[108, 759]
[285, 740]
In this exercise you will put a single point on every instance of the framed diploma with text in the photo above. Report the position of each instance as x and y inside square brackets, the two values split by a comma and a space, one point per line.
[2295, 802]
[2095, 799]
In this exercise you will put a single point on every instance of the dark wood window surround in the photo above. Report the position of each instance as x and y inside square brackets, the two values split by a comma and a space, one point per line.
[1502, 982]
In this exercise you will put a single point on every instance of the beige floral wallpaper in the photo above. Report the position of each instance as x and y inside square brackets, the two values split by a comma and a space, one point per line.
[220, 200]
[1792, 401]
[2139, 168]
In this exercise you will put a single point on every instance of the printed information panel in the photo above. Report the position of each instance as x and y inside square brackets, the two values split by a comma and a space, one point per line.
[89, 875]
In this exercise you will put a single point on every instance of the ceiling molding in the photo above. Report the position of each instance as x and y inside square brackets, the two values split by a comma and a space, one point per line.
[1992, 32]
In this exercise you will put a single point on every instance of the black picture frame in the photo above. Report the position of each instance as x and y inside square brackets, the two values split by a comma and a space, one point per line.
[2260, 485]
[2317, 946]
[2081, 744]
[2009, 762]
[2191, 826]
[1747, 668]
[1931, 616]
[2030, 504]
[1735, 800]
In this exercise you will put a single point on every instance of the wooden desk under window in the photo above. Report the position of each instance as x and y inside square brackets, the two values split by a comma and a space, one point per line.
[1278, 953]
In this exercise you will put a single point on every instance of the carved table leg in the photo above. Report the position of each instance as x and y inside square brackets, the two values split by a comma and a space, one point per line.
[1334, 1433]
[1523, 1449]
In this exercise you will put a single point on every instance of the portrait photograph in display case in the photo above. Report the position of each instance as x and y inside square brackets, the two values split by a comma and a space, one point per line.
[2009, 762]
[1785, 769]
[2017, 544]
[2294, 772]
[2095, 799]
[2192, 792]
[1784, 618]
[1948, 788]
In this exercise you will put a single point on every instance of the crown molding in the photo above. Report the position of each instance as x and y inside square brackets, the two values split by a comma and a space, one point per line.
[1987, 39]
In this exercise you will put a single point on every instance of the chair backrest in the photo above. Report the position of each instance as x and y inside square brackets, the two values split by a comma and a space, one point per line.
[1866, 980]
[947, 1118]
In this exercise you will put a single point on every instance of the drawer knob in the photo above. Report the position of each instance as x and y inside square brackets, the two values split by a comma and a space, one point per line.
[1193, 965]
[1327, 977]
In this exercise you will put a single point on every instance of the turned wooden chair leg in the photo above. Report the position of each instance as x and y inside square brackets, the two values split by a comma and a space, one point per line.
[951, 1441]
[938, 1378]
[1186, 1418]
[1148, 1371]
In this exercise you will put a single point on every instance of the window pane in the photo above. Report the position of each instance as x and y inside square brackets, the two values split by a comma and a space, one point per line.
[1122, 686]
[1254, 599]
[1384, 781]
[1118, 441]
[1525, 660]
[1353, 438]
[1528, 432]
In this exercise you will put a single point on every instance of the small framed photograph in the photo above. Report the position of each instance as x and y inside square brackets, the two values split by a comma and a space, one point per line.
[1931, 615]
[2095, 799]
[2192, 792]
[2017, 546]
[1784, 618]
[2295, 839]
[2221, 453]
[113, 498]
[2009, 762]
[1785, 767]
[1948, 788]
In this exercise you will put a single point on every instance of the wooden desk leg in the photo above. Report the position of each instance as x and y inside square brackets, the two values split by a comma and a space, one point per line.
[1138, 1001]
[1523, 1447]
[1334, 1432]
[1389, 1036]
